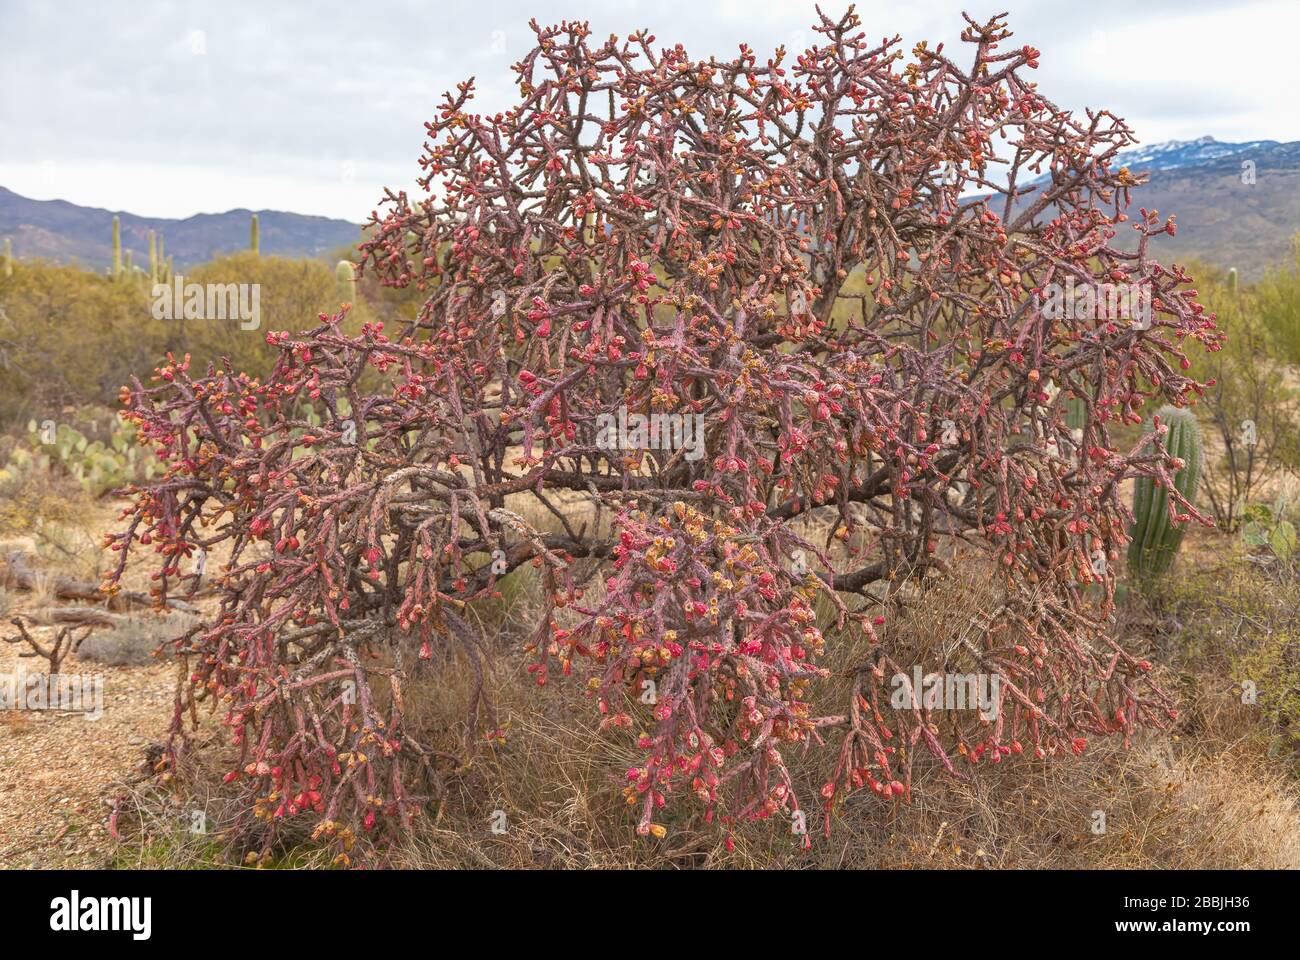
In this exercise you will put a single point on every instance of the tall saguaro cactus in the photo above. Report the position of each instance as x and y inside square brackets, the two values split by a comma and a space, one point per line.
[1076, 413]
[345, 277]
[9, 257]
[1155, 537]
[153, 257]
[254, 243]
[117, 248]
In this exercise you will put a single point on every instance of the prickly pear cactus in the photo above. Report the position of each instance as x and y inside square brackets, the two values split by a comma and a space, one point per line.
[100, 468]
[1154, 537]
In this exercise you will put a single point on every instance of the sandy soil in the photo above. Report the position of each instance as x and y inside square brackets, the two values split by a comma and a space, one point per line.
[58, 765]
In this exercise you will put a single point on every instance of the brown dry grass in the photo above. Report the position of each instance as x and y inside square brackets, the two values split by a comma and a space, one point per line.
[1214, 792]
[1206, 795]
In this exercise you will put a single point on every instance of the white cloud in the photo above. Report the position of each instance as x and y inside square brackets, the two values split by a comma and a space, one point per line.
[113, 107]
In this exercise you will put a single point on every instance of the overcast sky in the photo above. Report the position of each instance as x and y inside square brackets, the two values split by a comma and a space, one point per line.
[171, 109]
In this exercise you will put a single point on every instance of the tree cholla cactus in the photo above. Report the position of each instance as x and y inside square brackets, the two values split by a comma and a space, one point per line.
[817, 256]
[1158, 518]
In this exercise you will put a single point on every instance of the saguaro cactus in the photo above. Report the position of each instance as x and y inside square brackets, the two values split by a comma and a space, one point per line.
[9, 257]
[164, 261]
[345, 276]
[1076, 413]
[153, 257]
[1232, 281]
[253, 242]
[1155, 538]
[117, 248]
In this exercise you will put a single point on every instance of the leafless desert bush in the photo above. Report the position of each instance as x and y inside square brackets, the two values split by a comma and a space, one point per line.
[134, 641]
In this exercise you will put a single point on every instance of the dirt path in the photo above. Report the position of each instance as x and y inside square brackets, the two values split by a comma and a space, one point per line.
[56, 766]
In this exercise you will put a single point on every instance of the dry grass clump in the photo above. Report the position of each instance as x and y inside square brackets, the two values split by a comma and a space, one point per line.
[47, 517]
[1204, 796]
[134, 640]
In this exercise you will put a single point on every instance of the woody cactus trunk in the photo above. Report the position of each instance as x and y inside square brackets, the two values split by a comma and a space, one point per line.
[818, 256]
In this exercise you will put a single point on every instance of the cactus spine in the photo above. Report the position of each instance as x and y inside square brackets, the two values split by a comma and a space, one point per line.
[9, 257]
[117, 248]
[253, 241]
[1154, 538]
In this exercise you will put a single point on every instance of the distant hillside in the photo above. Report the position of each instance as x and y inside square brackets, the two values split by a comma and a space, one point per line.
[62, 231]
[1220, 218]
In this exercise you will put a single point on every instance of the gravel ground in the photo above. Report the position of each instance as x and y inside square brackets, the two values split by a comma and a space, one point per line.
[58, 766]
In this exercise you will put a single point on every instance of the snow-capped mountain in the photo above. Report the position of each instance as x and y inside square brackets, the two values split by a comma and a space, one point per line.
[1206, 151]
[1237, 204]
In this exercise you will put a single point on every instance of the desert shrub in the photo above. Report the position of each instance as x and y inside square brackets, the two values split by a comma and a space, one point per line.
[1232, 620]
[133, 642]
[1269, 675]
[70, 337]
[1251, 407]
[648, 234]
[45, 515]
[291, 293]
[1278, 298]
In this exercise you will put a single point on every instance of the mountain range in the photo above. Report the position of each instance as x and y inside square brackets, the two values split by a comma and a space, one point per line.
[65, 232]
[1237, 205]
